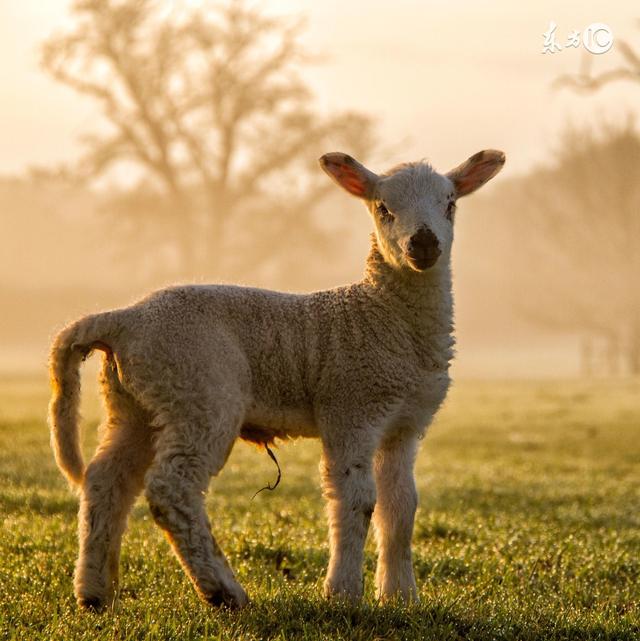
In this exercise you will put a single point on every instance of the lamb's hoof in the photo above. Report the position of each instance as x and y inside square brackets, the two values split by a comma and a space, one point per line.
[232, 597]
[91, 603]
[345, 594]
[402, 597]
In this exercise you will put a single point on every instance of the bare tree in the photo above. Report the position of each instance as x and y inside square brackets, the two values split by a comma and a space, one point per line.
[585, 80]
[208, 109]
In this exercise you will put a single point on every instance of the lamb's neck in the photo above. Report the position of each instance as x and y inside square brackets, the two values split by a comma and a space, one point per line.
[423, 299]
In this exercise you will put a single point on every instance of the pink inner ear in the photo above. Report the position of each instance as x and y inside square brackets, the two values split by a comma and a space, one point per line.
[348, 178]
[354, 186]
[474, 177]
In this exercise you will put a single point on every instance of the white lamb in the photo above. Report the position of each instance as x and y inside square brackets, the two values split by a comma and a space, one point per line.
[189, 370]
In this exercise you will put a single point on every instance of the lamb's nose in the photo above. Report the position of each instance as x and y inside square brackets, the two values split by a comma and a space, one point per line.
[423, 249]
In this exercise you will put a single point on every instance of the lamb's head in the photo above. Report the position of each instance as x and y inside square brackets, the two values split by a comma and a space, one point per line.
[412, 205]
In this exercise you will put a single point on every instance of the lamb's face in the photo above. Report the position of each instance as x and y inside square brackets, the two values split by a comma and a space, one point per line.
[413, 211]
[412, 205]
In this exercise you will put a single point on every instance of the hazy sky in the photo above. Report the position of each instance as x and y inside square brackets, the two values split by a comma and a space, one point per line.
[446, 77]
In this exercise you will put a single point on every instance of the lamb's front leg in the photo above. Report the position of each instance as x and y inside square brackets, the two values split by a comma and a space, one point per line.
[394, 515]
[349, 488]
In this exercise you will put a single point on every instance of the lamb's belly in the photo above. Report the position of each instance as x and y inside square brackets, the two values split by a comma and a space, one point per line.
[263, 425]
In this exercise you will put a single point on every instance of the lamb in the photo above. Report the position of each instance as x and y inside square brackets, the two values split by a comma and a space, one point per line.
[189, 370]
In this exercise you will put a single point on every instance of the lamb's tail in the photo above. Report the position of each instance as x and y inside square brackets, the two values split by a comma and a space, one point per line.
[70, 348]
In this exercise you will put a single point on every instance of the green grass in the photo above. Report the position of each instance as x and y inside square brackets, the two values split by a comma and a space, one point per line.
[528, 528]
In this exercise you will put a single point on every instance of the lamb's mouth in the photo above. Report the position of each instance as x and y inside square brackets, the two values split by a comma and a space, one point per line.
[420, 261]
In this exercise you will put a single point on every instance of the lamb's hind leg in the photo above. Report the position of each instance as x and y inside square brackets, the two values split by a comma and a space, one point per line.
[394, 515]
[111, 483]
[189, 451]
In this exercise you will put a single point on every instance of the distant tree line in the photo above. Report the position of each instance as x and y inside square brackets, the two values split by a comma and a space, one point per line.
[576, 246]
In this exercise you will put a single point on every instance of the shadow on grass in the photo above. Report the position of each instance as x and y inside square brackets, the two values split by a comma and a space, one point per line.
[522, 500]
[299, 618]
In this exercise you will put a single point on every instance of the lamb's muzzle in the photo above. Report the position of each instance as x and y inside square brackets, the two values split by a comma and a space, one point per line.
[423, 249]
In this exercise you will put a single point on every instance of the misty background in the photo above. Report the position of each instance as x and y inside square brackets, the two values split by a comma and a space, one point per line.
[148, 143]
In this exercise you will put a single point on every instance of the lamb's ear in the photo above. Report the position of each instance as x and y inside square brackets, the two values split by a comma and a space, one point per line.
[476, 171]
[350, 174]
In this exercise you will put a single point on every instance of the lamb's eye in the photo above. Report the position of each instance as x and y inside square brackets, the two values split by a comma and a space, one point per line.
[451, 210]
[384, 213]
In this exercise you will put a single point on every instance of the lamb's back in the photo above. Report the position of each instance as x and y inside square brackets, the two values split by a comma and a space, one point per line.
[278, 334]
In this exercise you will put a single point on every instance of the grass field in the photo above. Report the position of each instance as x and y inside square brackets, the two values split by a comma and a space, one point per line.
[528, 528]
